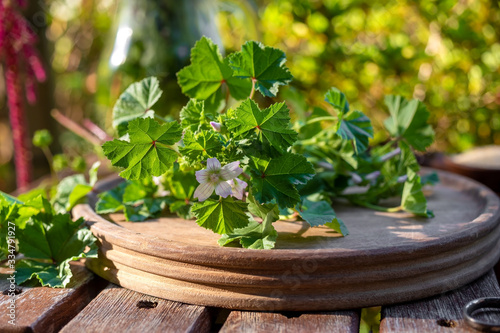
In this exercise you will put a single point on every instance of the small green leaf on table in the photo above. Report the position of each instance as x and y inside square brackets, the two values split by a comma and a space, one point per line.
[318, 213]
[221, 216]
[413, 199]
[257, 235]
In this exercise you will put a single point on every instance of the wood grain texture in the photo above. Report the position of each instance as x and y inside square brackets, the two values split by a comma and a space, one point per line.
[387, 258]
[120, 309]
[261, 322]
[45, 310]
[442, 313]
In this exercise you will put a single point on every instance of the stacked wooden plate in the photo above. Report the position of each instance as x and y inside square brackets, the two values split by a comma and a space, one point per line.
[386, 258]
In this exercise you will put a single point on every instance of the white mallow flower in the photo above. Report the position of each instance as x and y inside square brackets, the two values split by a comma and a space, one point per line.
[217, 178]
[238, 187]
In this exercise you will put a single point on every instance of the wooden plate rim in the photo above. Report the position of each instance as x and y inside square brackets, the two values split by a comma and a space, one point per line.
[489, 218]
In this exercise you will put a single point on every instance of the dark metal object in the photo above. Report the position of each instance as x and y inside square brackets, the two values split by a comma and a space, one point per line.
[482, 303]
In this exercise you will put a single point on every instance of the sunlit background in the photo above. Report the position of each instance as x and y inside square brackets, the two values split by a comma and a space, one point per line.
[445, 53]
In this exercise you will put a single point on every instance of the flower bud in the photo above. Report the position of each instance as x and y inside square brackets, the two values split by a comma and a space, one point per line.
[216, 126]
[42, 138]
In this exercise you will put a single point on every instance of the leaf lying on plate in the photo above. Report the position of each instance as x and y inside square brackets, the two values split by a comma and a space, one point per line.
[321, 213]
[256, 235]
[221, 216]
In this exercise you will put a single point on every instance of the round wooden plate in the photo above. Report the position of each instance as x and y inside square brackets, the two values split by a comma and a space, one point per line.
[386, 258]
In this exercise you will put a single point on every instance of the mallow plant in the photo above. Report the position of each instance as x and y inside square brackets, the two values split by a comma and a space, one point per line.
[237, 165]
[235, 162]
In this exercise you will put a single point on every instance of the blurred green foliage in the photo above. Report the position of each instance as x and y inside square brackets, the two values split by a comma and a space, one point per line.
[446, 53]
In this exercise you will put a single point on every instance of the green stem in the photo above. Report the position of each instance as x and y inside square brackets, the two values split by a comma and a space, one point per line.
[378, 208]
[326, 118]
[227, 99]
[161, 118]
[252, 92]
[50, 159]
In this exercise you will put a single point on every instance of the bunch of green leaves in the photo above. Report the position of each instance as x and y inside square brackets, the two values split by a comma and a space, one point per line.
[222, 121]
[136, 198]
[48, 240]
[342, 159]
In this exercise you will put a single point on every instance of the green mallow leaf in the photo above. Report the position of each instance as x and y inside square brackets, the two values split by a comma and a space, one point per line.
[201, 146]
[47, 274]
[61, 201]
[275, 179]
[78, 195]
[431, 178]
[111, 201]
[257, 235]
[8, 213]
[138, 190]
[147, 154]
[204, 78]
[262, 210]
[134, 198]
[413, 199]
[272, 125]
[264, 64]
[194, 116]
[72, 190]
[321, 213]
[56, 239]
[149, 207]
[9, 198]
[398, 166]
[221, 216]
[337, 99]
[136, 101]
[409, 121]
[93, 173]
[181, 184]
[357, 127]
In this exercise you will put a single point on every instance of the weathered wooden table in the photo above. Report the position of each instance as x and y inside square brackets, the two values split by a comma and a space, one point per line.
[91, 304]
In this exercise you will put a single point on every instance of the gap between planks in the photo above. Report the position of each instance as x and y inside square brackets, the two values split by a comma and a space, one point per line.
[124, 310]
[441, 313]
[46, 310]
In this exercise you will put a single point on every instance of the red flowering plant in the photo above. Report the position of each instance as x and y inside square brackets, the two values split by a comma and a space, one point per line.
[22, 66]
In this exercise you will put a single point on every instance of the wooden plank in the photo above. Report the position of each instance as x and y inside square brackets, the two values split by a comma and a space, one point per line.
[339, 321]
[441, 313]
[43, 309]
[128, 311]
